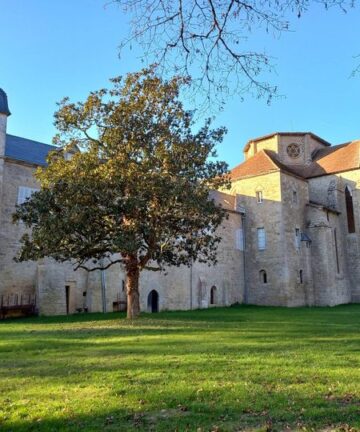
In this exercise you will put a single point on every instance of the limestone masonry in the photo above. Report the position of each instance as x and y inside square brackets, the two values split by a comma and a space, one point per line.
[292, 237]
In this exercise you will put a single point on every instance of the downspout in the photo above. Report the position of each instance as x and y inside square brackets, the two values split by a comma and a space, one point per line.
[243, 223]
[191, 286]
[103, 288]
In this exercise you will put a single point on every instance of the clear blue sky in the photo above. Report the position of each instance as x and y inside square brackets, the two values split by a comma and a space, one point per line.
[51, 49]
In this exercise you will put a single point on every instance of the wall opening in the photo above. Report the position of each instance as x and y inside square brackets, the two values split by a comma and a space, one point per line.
[263, 276]
[301, 277]
[213, 295]
[336, 252]
[153, 301]
[67, 299]
[349, 210]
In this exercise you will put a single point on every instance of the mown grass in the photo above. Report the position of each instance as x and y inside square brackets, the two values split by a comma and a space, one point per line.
[242, 368]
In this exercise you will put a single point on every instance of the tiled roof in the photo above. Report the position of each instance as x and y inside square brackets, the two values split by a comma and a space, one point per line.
[330, 160]
[25, 150]
[258, 164]
[263, 162]
[343, 157]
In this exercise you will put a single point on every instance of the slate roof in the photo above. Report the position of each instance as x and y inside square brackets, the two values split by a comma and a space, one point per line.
[26, 150]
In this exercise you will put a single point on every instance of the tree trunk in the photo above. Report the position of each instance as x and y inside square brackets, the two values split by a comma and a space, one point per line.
[132, 290]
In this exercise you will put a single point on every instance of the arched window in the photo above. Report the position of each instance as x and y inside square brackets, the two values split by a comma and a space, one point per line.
[213, 295]
[301, 278]
[349, 210]
[263, 276]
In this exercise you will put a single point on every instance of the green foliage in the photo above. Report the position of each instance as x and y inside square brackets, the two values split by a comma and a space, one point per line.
[138, 189]
[243, 368]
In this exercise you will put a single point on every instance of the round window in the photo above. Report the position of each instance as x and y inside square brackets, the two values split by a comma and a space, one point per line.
[293, 150]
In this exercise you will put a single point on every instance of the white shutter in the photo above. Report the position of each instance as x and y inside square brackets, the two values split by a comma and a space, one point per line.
[261, 237]
[239, 239]
[24, 193]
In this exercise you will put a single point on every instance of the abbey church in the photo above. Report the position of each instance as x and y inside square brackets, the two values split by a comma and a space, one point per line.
[292, 237]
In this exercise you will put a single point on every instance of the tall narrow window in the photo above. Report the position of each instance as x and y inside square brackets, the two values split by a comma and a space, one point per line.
[349, 210]
[261, 238]
[301, 277]
[259, 197]
[239, 239]
[297, 238]
[213, 295]
[294, 197]
[263, 276]
[336, 252]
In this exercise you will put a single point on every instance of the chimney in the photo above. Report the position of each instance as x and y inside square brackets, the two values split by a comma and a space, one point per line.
[4, 113]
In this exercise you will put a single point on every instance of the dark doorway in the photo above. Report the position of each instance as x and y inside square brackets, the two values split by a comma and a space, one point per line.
[67, 298]
[153, 301]
[213, 295]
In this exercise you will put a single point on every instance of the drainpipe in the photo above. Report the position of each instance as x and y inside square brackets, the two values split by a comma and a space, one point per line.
[103, 287]
[243, 223]
[191, 287]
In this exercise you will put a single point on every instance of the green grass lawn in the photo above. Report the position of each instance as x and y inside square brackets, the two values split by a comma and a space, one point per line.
[242, 368]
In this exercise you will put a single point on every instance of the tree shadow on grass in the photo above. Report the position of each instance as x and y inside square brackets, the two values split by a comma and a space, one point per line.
[205, 413]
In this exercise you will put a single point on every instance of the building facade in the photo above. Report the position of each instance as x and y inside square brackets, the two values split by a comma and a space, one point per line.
[292, 237]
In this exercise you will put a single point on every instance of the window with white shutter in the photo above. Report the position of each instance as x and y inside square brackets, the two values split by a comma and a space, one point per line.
[261, 238]
[24, 193]
[239, 239]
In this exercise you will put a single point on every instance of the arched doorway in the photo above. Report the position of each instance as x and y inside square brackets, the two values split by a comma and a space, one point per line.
[153, 301]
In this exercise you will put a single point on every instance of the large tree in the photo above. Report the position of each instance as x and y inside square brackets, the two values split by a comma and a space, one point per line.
[213, 40]
[137, 192]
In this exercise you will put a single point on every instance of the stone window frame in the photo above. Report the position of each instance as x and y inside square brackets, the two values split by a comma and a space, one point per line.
[261, 238]
[263, 277]
[297, 237]
[349, 205]
[301, 276]
[259, 196]
[295, 198]
[24, 193]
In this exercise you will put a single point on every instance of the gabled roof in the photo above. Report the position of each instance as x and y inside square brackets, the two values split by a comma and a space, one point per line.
[26, 150]
[263, 162]
[343, 157]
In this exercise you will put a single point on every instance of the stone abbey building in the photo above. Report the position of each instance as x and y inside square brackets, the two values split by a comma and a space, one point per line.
[292, 237]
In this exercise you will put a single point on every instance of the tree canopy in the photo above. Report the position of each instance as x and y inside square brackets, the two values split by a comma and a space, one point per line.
[129, 184]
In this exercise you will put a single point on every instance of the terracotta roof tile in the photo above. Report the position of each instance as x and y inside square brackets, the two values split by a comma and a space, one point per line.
[343, 157]
[263, 162]
[330, 160]
[258, 164]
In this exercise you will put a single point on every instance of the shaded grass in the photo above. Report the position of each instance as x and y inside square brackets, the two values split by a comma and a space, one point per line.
[241, 368]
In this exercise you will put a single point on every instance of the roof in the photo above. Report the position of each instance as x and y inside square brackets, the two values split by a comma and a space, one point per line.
[325, 161]
[263, 162]
[343, 157]
[4, 107]
[314, 136]
[26, 150]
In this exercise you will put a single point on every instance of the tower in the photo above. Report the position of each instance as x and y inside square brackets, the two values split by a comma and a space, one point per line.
[4, 113]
